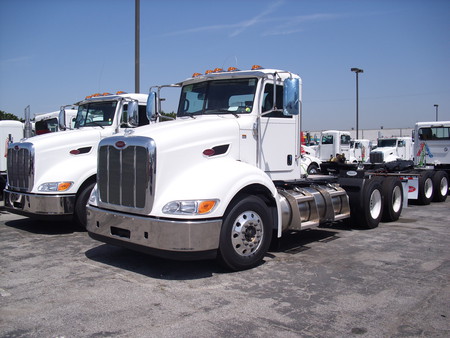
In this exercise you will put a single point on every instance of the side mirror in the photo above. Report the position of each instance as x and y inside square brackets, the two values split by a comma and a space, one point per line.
[133, 114]
[151, 109]
[62, 119]
[291, 97]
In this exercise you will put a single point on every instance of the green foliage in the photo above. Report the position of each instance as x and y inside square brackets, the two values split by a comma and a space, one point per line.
[8, 116]
[168, 116]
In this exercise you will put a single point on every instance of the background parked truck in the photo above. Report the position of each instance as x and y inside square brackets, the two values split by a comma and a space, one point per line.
[392, 149]
[226, 176]
[10, 131]
[52, 175]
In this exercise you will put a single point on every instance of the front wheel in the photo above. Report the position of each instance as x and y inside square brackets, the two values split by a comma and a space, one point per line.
[313, 169]
[80, 205]
[246, 234]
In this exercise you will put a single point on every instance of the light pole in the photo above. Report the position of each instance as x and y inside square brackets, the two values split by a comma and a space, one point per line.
[437, 111]
[357, 71]
[137, 24]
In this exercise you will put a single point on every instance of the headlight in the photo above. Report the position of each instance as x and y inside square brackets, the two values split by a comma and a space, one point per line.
[196, 207]
[55, 186]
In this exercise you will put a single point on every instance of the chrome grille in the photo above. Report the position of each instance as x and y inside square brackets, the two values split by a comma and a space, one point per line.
[20, 166]
[126, 173]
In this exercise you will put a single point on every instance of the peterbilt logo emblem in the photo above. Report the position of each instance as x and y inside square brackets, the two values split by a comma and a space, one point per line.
[120, 144]
[16, 147]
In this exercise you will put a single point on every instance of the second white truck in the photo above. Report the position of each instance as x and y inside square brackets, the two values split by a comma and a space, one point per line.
[52, 175]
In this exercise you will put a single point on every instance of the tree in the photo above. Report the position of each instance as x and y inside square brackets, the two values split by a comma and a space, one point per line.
[8, 116]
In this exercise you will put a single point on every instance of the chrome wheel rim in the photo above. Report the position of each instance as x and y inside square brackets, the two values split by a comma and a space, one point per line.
[375, 204]
[428, 188]
[247, 233]
[397, 198]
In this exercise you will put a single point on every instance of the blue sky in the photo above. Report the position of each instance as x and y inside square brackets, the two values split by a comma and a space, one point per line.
[55, 52]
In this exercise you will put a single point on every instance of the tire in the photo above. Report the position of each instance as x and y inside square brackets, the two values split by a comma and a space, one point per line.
[80, 205]
[313, 169]
[425, 188]
[392, 190]
[440, 186]
[367, 209]
[245, 235]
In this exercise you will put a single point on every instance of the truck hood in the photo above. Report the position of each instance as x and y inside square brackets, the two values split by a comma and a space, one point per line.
[185, 133]
[54, 162]
[385, 150]
[67, 140]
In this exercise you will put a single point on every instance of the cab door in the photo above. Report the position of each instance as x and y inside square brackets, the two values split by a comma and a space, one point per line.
[279, 137]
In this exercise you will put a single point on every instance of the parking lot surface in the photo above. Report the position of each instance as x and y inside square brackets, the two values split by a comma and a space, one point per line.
[392, 281]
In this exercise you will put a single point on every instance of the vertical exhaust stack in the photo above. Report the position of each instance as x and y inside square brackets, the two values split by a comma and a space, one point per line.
[28, 131]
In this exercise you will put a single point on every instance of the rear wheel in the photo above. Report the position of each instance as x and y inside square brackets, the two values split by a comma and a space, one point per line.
[367, 210]
[246, 234]
[392, 190]
[425, 188]
[440, 186]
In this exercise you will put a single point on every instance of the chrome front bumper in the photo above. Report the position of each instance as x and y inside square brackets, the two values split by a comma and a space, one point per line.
[40, 205]
[153, 235]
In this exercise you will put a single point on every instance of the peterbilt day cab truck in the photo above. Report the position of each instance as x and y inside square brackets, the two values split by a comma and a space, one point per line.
[52, 175]
[49, 122]
[225, 177]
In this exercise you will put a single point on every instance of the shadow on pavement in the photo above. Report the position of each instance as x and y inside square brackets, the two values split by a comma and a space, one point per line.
[44, 227]
[168, 269]
[152, 266]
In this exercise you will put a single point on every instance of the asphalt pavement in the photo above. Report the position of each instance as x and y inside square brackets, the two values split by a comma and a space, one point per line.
[335, 281]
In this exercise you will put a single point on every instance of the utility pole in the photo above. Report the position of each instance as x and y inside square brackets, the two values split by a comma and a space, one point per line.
[136, 46]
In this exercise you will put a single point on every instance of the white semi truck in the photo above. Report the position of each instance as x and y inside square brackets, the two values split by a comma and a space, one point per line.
[49, 122]
[432, 156]
[10, 131]
[332, 143]
[52, 175]
[392, 149]
[225, 177]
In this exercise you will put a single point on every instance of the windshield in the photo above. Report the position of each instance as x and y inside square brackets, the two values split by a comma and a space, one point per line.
[233, 96]
[387, 142]
[96, 114]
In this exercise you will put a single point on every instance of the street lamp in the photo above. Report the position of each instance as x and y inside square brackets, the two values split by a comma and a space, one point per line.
[357, 71]
[437, 111]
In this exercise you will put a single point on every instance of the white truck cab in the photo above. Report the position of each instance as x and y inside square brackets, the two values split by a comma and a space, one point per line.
[53, 174]
[333, 142]
[392, 149]
[49, 122]
[225, 176]
[432, 144]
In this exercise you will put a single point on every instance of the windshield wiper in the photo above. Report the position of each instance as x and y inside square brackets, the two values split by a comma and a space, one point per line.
[96, 123]
[221, 110]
